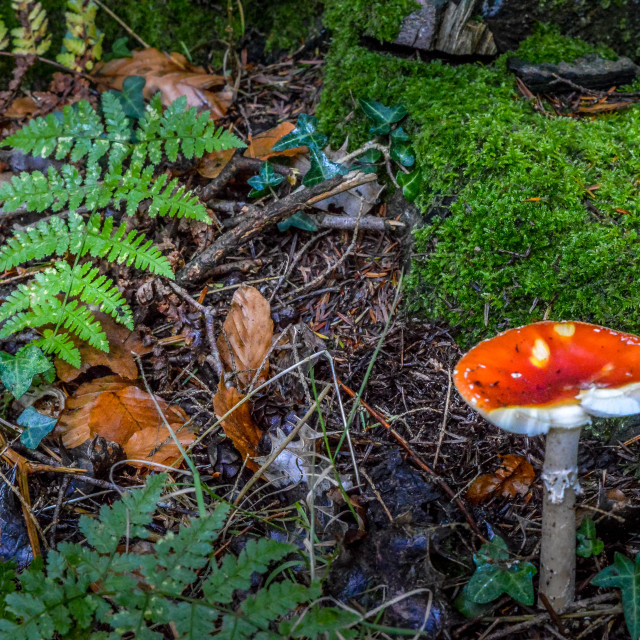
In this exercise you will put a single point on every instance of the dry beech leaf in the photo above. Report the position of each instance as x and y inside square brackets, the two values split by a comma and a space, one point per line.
[513, 477]
[120, 360]
[211, 164]
[260, 145]
[246, 337]
[120, 412]
[239, 426]
[170, 74]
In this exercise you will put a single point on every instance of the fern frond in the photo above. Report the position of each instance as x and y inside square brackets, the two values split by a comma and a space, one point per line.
[103, 242]
[4, 36]
[31, 37]
[77, 318]
[78, 132]
[82, 45]
[81, 281]
[118, 128]
[59, 344]
[47, 238]
[235, 573]
[175, 201]
[179, 129]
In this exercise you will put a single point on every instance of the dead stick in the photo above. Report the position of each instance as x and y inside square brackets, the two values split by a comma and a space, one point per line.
[260, 219]
[416, 459]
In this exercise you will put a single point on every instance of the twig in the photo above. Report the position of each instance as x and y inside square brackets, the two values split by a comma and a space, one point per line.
[56, 513]
[332, 267]
[576, 609]
[51, 63]
[214, 357]
[260, 219]
[123, 24]
[443, 426]
[367, 223]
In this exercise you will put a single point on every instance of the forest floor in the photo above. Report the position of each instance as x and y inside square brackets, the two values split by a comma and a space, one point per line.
[408, 536]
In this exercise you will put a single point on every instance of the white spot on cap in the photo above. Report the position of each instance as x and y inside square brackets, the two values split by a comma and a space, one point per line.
[566, 329]
[516, 374]
[540, 353]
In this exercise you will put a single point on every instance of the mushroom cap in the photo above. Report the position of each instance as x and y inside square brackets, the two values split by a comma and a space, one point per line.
[551, 375]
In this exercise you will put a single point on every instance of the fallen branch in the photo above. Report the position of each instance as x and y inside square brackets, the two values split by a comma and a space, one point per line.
[259, 219]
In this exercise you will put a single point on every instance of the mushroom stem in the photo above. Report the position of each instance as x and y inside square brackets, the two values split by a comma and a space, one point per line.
[558, 546]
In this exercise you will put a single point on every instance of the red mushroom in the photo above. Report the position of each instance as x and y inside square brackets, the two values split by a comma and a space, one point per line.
[549, 378]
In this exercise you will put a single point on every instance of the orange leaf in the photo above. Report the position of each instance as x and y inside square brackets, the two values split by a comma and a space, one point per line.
[513, 477]
[170, 74]
[260, 145]
[120, 360]
[211, 164]
[118, 411]
[246, 336]
[239, 426]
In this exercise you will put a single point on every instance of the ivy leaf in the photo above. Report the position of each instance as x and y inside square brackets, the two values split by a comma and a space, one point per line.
[367, 161]
[401, 150]
[624, 574]
[495, 575]
[410, 183]
[37, 426]
[381, 116]
[17, 372]
[468, 608]
[131, 97]
[588, 544]
[299, 220]
[321, 168]
[304, 135]
[118, 50]
[265, 181]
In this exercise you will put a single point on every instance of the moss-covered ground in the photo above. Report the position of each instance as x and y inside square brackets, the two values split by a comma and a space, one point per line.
[526, 216]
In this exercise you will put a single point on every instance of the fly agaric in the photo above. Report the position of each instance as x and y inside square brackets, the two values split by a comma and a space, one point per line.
[550, 378]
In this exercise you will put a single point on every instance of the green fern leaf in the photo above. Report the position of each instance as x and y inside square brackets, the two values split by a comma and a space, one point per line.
[235, 573]
[130, 250]
[48, 237]
[275, 601]
[175, 201]
[59, 344]
[81, 281]
[79, 132]
[129, 516]
[179, 129]
[78, 319]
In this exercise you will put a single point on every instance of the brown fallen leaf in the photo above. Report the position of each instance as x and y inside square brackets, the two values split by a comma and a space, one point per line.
[120, 412]
[246, 337]
[513, 477]
[260, 146]
[239, 426]
[120, 360]
[211, 164]
[171, 75]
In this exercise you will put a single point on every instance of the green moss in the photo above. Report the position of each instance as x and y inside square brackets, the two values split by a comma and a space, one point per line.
[522, 235]
[169, 25]
[547, 44]
[380, 18]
